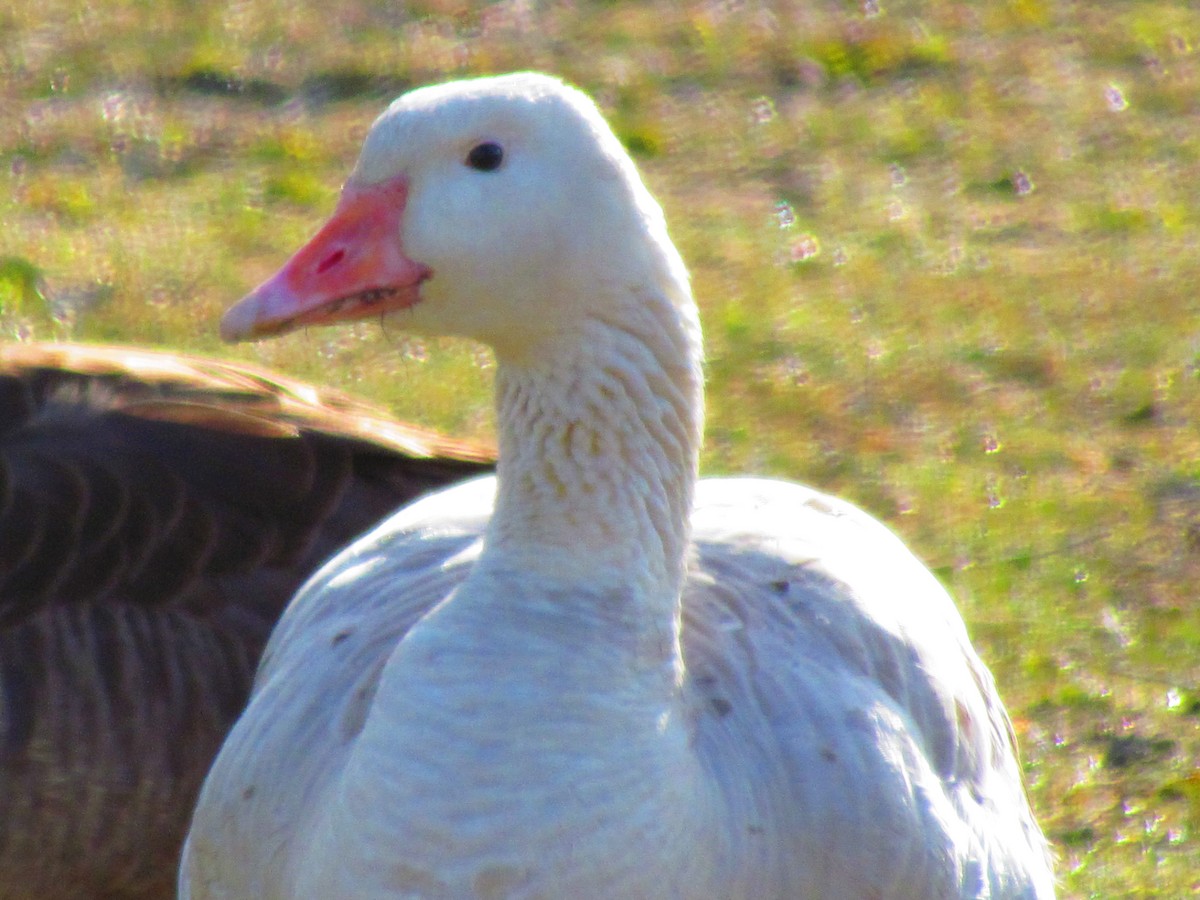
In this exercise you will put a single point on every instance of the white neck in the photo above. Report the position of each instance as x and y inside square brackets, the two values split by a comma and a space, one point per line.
[599, 440]
[550, 681]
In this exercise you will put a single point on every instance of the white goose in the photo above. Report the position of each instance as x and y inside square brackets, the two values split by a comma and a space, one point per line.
[613, 680]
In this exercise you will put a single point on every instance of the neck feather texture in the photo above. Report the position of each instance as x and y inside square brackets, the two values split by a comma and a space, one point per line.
[599, 441]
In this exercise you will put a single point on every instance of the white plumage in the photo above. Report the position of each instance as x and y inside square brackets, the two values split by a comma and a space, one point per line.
[574, 681]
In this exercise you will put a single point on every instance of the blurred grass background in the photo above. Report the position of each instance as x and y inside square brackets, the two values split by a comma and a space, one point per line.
[946, 255]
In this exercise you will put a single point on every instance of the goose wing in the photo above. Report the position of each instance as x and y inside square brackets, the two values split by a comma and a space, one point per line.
[157, 512]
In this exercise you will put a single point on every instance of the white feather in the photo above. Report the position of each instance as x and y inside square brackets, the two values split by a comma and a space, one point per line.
[576, 681]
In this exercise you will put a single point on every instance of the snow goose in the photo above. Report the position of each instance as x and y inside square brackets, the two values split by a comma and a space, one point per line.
[157, 511]
[592, 676]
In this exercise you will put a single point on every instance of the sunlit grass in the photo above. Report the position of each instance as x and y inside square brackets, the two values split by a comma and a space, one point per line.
[945, 254]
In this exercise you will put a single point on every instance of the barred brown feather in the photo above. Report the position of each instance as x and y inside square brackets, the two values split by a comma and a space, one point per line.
[157, 511]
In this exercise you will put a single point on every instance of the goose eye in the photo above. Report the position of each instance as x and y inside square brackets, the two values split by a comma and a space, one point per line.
[486, 157]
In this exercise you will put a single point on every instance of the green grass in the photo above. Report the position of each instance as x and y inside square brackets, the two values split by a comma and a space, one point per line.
[946, 256]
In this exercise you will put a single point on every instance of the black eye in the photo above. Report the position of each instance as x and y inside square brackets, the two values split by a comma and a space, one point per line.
[486, 157]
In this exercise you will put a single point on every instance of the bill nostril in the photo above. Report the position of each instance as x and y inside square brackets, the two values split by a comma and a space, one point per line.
[330, 261]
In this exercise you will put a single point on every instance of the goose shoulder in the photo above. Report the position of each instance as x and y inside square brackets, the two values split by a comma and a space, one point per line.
[141, 476]
[320, 674]
[157, 512]
[807, 623]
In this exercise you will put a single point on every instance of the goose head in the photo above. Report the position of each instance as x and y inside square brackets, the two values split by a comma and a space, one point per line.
[502, 209]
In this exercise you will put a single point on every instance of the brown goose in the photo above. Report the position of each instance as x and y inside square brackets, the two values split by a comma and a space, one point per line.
[157, 511]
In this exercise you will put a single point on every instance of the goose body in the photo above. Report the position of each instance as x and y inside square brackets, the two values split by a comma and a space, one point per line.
[157, 511]
[592, 675]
